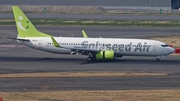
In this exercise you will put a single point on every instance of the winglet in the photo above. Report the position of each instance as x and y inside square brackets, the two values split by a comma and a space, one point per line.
[84, 34]
[55, 42]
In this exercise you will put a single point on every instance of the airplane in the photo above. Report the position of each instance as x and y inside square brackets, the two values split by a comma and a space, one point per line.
[95, 48]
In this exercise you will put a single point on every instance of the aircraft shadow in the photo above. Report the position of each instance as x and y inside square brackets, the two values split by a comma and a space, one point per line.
[83, 61]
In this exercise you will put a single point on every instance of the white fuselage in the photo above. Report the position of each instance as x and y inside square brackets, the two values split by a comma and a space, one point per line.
[122, 47]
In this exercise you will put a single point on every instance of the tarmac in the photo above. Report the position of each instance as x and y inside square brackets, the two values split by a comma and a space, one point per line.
[16, 58]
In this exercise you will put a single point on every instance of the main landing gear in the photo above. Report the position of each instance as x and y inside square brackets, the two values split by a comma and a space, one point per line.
[91, 58]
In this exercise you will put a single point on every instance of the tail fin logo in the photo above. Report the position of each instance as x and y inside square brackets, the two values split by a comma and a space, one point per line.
[20, 24]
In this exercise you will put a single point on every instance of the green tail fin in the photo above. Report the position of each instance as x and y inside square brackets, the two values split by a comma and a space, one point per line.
[24, 26]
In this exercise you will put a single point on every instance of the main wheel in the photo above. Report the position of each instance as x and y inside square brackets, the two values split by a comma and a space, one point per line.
[89, 58]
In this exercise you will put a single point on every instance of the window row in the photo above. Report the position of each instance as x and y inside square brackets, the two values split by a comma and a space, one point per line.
[102, 44]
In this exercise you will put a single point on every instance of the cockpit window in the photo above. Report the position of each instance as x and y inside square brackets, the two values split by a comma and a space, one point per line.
[165, 45]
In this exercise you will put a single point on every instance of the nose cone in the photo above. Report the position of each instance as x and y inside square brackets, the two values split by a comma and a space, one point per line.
[171, 50]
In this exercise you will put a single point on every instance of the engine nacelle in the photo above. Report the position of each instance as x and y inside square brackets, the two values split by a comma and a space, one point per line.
[109, 55]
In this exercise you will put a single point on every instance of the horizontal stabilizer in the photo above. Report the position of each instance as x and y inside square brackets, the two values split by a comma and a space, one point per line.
[17, 39]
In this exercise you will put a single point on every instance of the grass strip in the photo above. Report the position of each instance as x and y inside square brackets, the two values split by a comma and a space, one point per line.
[78, 74]
[122, 23]
[96, 95]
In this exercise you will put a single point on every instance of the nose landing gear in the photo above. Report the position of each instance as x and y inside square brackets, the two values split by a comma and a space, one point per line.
[158, 58]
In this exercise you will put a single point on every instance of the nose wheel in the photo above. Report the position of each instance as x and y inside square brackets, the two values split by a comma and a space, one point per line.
[157, 60]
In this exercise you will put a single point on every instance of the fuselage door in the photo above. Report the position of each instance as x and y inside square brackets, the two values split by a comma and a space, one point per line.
[154, 46]
[37, 43]
[40, 44]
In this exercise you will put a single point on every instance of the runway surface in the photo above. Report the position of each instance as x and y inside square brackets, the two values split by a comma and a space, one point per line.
[96, 16]
[15, 58]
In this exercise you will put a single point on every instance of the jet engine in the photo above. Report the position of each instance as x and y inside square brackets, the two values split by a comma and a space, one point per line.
[108, 55]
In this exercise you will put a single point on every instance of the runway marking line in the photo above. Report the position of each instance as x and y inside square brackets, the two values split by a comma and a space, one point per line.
[78, 74]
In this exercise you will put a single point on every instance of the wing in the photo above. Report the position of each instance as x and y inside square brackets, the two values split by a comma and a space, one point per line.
[75, 48]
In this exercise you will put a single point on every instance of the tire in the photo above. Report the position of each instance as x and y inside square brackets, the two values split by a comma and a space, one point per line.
[157, 60]
[89, 58]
